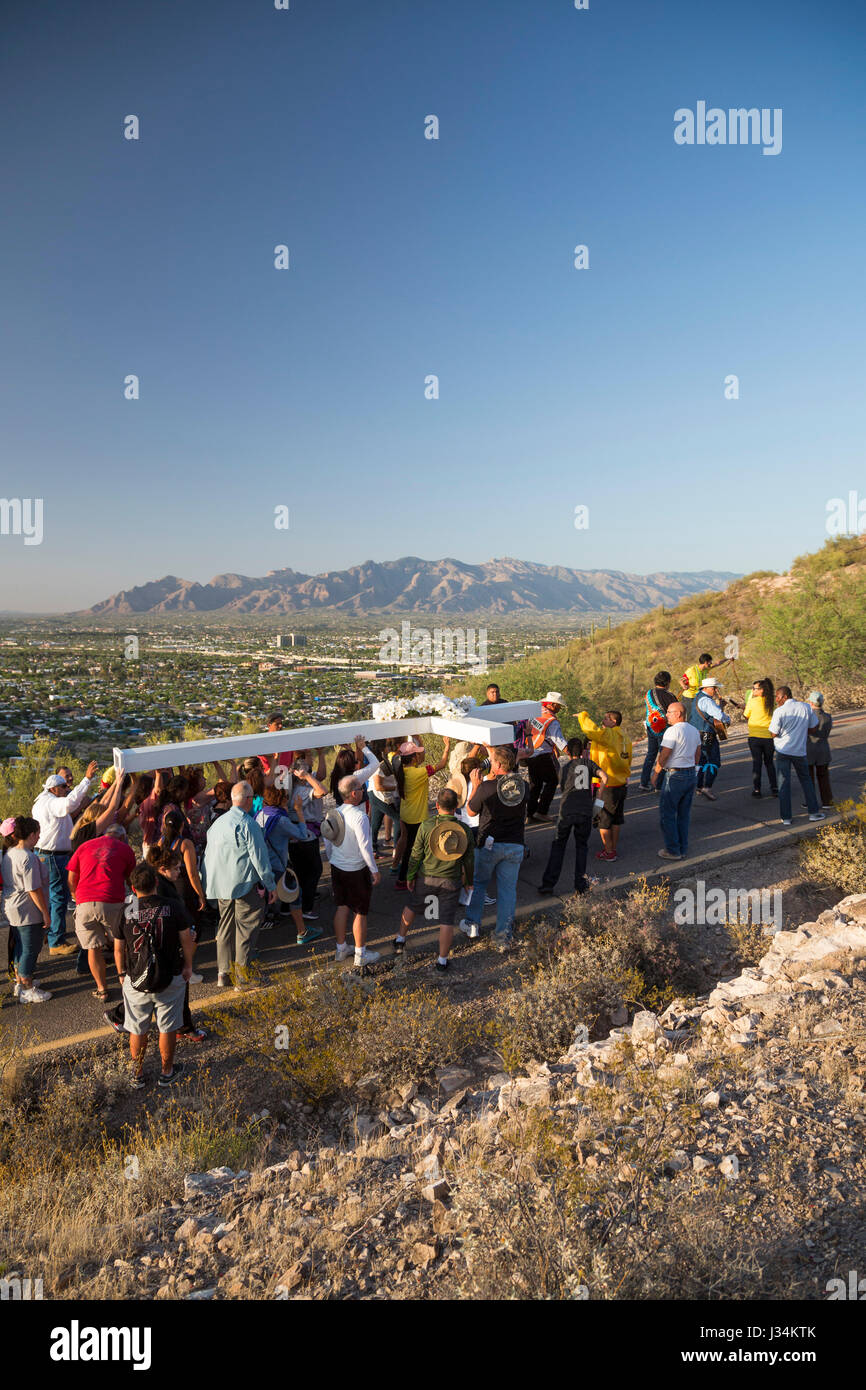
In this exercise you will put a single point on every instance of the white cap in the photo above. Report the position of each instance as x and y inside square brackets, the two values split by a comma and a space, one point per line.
[710, 683]
[54, 781]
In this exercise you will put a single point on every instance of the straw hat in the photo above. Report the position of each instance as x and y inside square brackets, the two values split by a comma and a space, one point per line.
[288, 888]
[448, 840]
[334, 827]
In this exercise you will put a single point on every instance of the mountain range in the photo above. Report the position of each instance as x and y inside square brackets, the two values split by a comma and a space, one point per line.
[411, 585]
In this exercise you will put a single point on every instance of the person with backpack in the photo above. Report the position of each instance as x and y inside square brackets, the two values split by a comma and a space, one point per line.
[708, 716]
[657, 699]
[612, 749]
[575, 815]
[153, 954]
[544, 741]
[281, 829]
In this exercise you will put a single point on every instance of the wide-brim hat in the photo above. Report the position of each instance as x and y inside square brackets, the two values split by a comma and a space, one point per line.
[334, 827]
[553, 697]
[457, 783]
[511, 789]
[448, 840]
[288, 888]
[711, 683]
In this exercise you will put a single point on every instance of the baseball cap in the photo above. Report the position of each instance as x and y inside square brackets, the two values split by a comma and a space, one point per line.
[54, 781]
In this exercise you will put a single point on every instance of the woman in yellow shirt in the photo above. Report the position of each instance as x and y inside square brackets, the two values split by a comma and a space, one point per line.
[758, 710]
[413, 777]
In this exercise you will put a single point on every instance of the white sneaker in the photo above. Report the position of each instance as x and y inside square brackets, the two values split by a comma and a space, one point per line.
[366, 957]
[488, 902]
[224, 981]
[33, 996]
[196, 979]
[345, 951]
[819, 815]
[16, 988]
[469, 929]
[786, 822]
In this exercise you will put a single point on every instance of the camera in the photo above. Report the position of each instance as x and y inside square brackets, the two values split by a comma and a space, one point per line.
[485, 766]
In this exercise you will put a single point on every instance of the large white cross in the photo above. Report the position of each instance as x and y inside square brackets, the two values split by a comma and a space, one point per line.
[480, 727]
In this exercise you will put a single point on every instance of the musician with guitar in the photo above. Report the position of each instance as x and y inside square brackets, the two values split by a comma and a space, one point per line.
[709, 718]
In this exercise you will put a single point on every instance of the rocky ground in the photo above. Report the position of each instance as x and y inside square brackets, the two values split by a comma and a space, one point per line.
[715, 1150]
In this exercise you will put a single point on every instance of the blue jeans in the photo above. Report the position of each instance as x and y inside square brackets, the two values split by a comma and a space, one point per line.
[653, 744]
[58, 895]
[503, 860]
[379, 809]
[675, 808]
[27, 943]
[785, 765]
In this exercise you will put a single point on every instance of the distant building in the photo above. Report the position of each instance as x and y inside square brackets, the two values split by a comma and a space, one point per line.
[299, 639]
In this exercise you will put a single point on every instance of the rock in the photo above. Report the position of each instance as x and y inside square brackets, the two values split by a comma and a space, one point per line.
[429, 1168]
[201, 1295]
[711, 1100]
[187, 1230]
[524, 1090]
[370, 1085]
[164, 1291]
[829, 1028]
[645, 1028]
[678, 1161]
[730, 1166]
[452, 1079]
[368, 1127]
[435, 1191]
[701, 1164]
[297, 1274]
[619, 1017]
[423, 1253]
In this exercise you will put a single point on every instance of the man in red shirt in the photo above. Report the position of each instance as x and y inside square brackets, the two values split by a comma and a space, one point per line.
[98, 874]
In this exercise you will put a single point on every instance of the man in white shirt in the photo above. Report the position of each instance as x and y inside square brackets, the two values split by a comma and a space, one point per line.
[53, 809]
[790, 727]
[353, 869]
[676, 766]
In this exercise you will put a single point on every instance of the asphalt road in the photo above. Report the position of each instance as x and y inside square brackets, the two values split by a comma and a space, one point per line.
[735, 823]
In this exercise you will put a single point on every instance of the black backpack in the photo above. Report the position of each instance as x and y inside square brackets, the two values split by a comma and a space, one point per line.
[152, 975]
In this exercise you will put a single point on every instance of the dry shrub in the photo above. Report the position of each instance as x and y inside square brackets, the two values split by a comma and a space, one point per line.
[837, 854]
[590, 980]
[404, 1034]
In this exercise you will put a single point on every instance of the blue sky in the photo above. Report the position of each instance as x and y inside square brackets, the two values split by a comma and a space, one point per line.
[558, 387]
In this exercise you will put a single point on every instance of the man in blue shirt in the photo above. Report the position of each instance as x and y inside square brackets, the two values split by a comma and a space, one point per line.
[236, 869]
[790, 727]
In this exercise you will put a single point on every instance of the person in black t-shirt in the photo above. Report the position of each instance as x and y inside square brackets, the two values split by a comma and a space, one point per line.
[160, 933]
[500, 802]
[575, 815]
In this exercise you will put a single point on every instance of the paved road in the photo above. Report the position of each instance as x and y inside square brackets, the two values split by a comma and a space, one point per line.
[726, 827]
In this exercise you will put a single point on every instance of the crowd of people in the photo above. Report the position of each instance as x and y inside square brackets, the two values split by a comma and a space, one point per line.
[236, 856]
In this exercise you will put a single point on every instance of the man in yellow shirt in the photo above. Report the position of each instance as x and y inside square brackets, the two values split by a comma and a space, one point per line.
[612, 749]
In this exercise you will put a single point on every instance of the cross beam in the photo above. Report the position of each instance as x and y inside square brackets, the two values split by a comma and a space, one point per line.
[479, 727]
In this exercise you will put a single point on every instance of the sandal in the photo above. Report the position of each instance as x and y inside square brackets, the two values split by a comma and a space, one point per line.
[102, 995]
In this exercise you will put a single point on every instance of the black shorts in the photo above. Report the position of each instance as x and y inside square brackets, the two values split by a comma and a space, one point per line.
[352, 888]
[614, 802]
[439, 896]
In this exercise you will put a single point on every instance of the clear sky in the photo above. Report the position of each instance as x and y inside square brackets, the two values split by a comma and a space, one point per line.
[559, 387]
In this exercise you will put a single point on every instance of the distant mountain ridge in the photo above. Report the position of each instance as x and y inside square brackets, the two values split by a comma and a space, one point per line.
[412, 585]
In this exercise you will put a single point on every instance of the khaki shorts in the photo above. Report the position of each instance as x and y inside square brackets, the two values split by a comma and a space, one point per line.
[97, 924]
[139, 1008]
